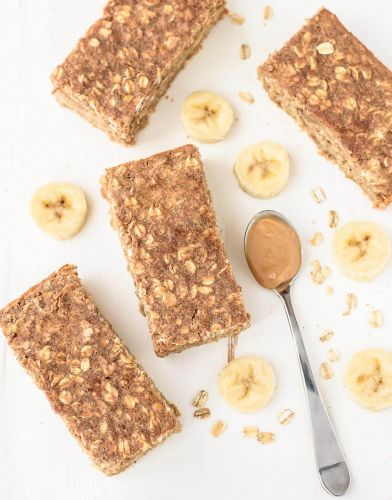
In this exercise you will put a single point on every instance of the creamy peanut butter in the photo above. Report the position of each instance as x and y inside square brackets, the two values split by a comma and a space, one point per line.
[273, 252]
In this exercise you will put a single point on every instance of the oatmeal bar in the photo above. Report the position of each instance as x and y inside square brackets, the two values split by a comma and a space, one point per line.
[91, 380]
[123, 65]
[338, 92]
[162, 210]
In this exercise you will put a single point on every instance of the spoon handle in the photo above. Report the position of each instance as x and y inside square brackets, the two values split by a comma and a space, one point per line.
[331, 464]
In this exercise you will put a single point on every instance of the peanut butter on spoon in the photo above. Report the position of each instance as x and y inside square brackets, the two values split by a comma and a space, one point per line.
[273, 252]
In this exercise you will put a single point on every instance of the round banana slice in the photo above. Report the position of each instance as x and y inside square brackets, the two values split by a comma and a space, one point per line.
[247, 383]
[262, 169]
[59, 209]
[206, 116]
[368, 378]
[361, 249]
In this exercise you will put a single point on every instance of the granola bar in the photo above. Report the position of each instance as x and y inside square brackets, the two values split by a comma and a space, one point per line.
[123, 65]
[91, 380]
[162, 210]
[341, 95]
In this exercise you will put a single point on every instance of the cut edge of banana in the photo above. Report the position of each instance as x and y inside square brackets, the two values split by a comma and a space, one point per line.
[262, 169]
[59, 209]
[207, 117]
[361, 249]
[247, 383]
[368, 378]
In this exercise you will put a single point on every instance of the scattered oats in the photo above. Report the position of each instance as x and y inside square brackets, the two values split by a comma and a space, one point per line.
[247, 97]
[267, 13]
[333, 219]
[329, 290]
[318, 195]
[250, 431]
[316, 239]
[232, 344]
[334, 355]
[285, 416]
[326, 371]
[376, 319]
[319, 273]
[244, 51]
[351, 303]
[200, 399]
[326, 335]
[265, 437]
[236, 18]
[202, 413]
[218, 428]
[325, 48]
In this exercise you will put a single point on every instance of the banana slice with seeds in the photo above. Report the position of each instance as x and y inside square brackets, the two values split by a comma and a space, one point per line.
[247, 383]
[59, 209]
[368, 378]
[361, 249]
[206, 116]
[262, 169]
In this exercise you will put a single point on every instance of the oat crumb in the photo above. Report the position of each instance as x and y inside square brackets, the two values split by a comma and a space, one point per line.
[218, 428]
[318, 195]
[351, 303]
[334, 355]
[326, 335]
[250, 431]
[316, 239]
[202, 413]
[333, 219]
[247, 97]
[376, 318]
[236, 18]
[200, 399]
[285, 416]
[267, 13]
[265, 437]
[326, 371]
[245, 51]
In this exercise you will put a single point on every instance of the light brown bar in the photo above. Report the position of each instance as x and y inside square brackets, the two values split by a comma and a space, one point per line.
[341, 95]
[91, 380]
[123, 65]
[162, 210]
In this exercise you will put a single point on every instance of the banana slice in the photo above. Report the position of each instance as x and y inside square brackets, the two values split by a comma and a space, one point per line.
[361, 249]
[262, 169]
[368, 378]
[206, 116]
[59, 209]
[247, 383]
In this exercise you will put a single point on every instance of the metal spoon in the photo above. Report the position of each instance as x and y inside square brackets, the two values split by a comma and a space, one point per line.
[331, 464]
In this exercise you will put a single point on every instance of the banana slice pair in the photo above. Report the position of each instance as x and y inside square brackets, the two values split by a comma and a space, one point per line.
[247, 383]
[368, 378]
[59, 209]
[262, 169]
[361, 249]
[207, 117]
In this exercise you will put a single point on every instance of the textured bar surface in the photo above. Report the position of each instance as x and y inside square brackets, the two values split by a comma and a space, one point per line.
[162, 210]
[91, 380]
[127, 59]
[341, 94]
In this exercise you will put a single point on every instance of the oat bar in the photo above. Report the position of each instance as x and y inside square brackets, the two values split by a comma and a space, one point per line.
[341, 95]
[123, 65]
[162, 210]
[91, 380]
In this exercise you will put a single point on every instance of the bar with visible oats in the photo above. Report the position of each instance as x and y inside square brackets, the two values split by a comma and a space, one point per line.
[123, 65]
[91, 380]
[341, 95]
[162, 210]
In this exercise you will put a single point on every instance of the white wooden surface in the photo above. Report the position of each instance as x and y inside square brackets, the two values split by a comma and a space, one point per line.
[42, 142]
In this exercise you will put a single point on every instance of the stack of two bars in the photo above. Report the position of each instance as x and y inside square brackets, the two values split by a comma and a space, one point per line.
[186, 289]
